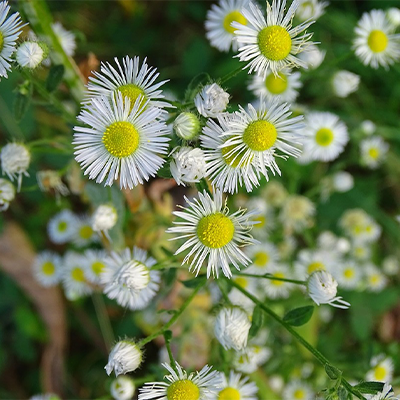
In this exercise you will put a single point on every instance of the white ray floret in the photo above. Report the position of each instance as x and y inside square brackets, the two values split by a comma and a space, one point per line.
[95, 264]
[310, 9]
[65, 37]
[124, 357]
[47, 268]
[211, 100]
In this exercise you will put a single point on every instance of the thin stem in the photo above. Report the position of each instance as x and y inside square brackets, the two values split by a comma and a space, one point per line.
[174, 318]
[231, 75]
[170, 355]
[272, 278]
[104, 321]
[319, 356]
[223, 292]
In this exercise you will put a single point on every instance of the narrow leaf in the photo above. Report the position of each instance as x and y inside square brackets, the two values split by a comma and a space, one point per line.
[332, 371]
[299, 316]
[54, 77]
[369, 387]
[256, 322]
[192, 283]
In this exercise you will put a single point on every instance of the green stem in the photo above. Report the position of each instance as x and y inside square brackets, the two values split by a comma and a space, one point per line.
[104, 321]
[223, 291]
[177, 314]
[271, 277]
[319, 356]
[170, 355]
[231, 75]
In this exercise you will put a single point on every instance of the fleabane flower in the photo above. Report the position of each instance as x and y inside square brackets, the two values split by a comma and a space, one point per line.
[297, 213]
[263, 256]
[368, 127]
[47, 268]
[31, 54]
[344, 83]
[310, 9]
[188, 165]
[348, 274]
[373, 151]
[7, 193]
[376, 280]
[382, 369]
[104, 218]
[66, 38]
[282, 86]
[10, 29]
[15, 159]
[276, 288]
[236, 387]
[232, 325]
[322, 288]
[120, 142]
[271, 43]
[84, 233]
[124, 357]
[297, 390]
[95, 264]
[51, 180]
[219, 30]
[375, 43]
[130, 79]
[122, 388]
[313, 57]
[211, 100]
[393, 16]
[182, 386]
[325, 136]
[62, 226]
[187, 126]
[213, 234]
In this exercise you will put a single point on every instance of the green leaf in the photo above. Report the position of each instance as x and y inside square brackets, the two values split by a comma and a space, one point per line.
[54, 77]
[332, 371]
[369, 387]
[256, 321]
[22, 100]
[195, 84]
[342, 393]
[165, 171]
[170, 276]
[192, 283]
[299, 316]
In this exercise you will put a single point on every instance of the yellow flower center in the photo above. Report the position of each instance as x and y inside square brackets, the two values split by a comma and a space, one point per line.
[98, 267]
[48, 268]
[278, 275]
[262, 220]
[276, 84]
[261, 258]
[377, 41]
[299, 394]
[85, 232]
[234, 16]
[260, 135]
[315, 266]
[324, 137]
[215, 230]
[380, 373]
[229, 393]
[77, 274]
[374, 279]
[348, 273]
[233, 158]
[1, 41]
[242, 282]
[274, 42]
[121, 139]
[62, 226]
[183, 390]
[132, 92]
[373, 152]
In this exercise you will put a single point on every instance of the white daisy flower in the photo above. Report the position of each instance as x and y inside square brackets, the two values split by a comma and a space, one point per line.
[7, 194]
[342, 181]
[382, 369]
[313, 57]
[297, 213]
[296, 390]
[360, 251]
[122, 388]
[219, 18]
[231, 328]
[181, 385]
[130, 79]
[95, 260]
[391, 265]
[120, 142]
[263, 256]
[30, 54]
[345, 83]
[257, 136]
[310, 9]
[211, 100]
[124, 357]
[74, 276]
[236, 387]
[47, 268]
[393, 16]
[237, 298]
[84, 234]
[376, 280]
[10, 29]
[373, 151]
[276, 289]
[128, 278]
[225, 170]
[104, 218]
[51, 180]
[360, 226]
[322, 288]
[62, 226]
[15, 159]
[368, 127]
[325, 136]
[348, 274]
[66, 38]
[211, 232]
[282, 86]
[188, 165]
[187, 126]
[252, 357]
[309, 261]
[275, 193]
[375, 44]
[272, 43]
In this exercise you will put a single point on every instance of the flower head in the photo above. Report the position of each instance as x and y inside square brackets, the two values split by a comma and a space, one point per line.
[373, 151]
[344, 83]
[124, 357]
[296, 390]
[122, 388]
[104, 218]
[95, 264]
[31, 54]
[236, 387]
[62, 226]
[51, 180]
[7, 194]
[187, 126]
[15, 159]
[211, 100]
[66, 38]
[382, 369]
[47, 268]
[310, 9]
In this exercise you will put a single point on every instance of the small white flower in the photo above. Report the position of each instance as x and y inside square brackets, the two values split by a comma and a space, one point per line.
[376, 280]
[122, 388]
[313, 57]
[61, 227]
[30, 54]
[296, 390]
[104, 218]
[7, 194]
[373, 151]
[275, 193]
[322, 288]
[95, 264]
[187, 126]
[124, 357]
[236, 388]
[368, 127]
[382, 369]
[84, 233]
[66, 38]
[51, 180]
[181, 385]
[393, 16]
[232, 327]
[263, 256]
[361, 227]
[310, 9]
[275, 288]
[391, 265]
[252, 357]
[188, 165]
[237, 298]
[342, 181]
[344, 83]
[47, 268]
[348, 274]
[297, 213]
[309, 261]
[211, 100]
[15, 159]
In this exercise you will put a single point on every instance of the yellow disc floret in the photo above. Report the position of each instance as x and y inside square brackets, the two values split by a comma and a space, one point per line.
[98, 267]
[183, 390]
[373, 152]
[274, 42]
[229, 393]
[215, 230]
[234, 16]
[85, 232]
[48, 268]
[377, 41]
[380, 373]
[348, 273]
[62, 226]
[261, 258]
[315, 266]
[77, 274]
[121, 139]
[280, 275]
[132, 92]
[1, 41]
[276, 84]
[260, 135]
[242, 282]
[324, 137]
[299, 394]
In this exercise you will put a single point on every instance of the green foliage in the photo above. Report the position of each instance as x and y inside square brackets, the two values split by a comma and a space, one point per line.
[299, 316]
